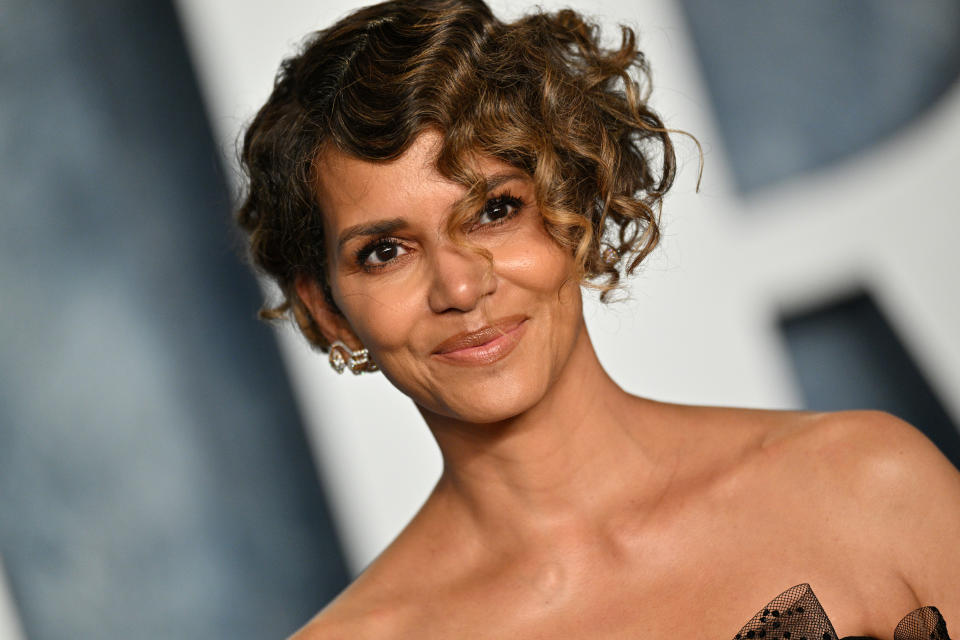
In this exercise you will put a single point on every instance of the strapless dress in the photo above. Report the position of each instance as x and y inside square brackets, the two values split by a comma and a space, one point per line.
[796, 614]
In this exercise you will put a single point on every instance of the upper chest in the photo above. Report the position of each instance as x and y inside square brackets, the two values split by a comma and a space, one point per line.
[680, 579]
[709, 555]
[705, 610]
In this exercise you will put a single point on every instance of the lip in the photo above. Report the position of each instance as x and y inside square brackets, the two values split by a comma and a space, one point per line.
[483, 346]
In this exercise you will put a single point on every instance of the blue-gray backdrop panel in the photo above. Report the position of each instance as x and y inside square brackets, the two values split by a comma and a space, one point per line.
[799, 85]
[155, 481]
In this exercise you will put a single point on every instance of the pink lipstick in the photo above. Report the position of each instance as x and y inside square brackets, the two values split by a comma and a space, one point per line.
[483, 346]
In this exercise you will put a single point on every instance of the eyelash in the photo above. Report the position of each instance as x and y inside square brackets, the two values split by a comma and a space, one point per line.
[504, 199]
[501, 200]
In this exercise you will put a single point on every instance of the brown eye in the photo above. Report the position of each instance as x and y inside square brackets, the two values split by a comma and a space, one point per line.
[380, 253]
[497, 210]
[383, 253]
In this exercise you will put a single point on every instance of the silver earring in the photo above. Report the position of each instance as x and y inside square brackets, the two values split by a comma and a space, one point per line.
[342, 356]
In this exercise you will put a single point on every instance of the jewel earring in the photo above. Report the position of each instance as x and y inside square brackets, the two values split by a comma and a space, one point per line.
[342, 356]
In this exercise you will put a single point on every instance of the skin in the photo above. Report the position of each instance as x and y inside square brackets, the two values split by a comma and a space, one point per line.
[570, 508]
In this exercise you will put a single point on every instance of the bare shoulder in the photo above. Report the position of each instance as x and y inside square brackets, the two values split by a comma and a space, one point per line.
[889, 487]
[387, 599]
[872, 451]
[877, 459]
[359, 612]
[874, 444]
[870, 481]
[872, 463]
[380, 603]
[330, 626]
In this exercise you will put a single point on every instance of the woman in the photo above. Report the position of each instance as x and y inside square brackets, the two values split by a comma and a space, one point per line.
[430, 187]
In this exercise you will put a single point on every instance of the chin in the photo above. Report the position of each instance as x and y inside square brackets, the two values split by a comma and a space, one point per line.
[489, 403]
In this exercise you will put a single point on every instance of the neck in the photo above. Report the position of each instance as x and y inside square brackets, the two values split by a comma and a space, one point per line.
[566, 462]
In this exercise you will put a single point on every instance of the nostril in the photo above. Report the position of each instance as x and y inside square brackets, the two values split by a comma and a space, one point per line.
[460, 280]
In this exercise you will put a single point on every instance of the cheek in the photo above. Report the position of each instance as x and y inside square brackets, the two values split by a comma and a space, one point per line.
[388, 318]
[534, 261]
[382, 316]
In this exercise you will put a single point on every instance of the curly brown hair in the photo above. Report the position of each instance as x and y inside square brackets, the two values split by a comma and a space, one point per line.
[540, 94]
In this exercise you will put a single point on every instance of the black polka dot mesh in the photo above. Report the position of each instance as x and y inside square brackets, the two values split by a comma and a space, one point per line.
[924, 623]
[796, 614]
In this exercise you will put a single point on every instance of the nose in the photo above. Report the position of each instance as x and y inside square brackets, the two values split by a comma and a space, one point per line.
[461, 279]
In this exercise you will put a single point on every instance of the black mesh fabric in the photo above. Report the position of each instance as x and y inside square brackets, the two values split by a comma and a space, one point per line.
[796, 614]
[924, 623]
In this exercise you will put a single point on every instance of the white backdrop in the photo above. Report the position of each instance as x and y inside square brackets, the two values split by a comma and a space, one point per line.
[9, 622]
[699, 326]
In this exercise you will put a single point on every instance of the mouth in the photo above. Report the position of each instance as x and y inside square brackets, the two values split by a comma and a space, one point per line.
[483, 346]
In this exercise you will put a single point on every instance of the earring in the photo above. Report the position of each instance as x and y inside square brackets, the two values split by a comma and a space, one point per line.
[342, 356]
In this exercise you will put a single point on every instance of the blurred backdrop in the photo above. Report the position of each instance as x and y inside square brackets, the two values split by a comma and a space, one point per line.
[172, 468]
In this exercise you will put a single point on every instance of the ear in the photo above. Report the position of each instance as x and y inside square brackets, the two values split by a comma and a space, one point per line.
[332, 324]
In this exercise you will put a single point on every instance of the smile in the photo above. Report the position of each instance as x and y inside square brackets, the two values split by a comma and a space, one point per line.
[484, 346]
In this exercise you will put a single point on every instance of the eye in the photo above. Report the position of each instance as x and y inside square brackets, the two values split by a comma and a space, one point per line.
[379, 253]
[498, 210]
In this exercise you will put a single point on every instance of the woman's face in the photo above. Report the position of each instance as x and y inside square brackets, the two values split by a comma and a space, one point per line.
[461, 336]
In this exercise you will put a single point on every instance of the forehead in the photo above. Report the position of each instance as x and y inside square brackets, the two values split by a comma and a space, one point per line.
[350, 187]
[354, 191]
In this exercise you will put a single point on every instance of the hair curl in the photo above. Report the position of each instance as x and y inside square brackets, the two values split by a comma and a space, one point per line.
[540, 94]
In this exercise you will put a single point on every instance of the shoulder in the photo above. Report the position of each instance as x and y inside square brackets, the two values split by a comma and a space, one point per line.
[385, 601]
[877, 459]
[872, 451]
[351, 615]
[327, 627]
[890, 487]
[377, 604]
[402, 589]
[866, 469]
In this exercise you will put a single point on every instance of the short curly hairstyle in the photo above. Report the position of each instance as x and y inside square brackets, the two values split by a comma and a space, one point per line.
[540, 94]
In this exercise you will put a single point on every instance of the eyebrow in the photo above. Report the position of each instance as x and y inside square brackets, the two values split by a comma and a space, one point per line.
[498, 179]
[390, 225]
[370, 229]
